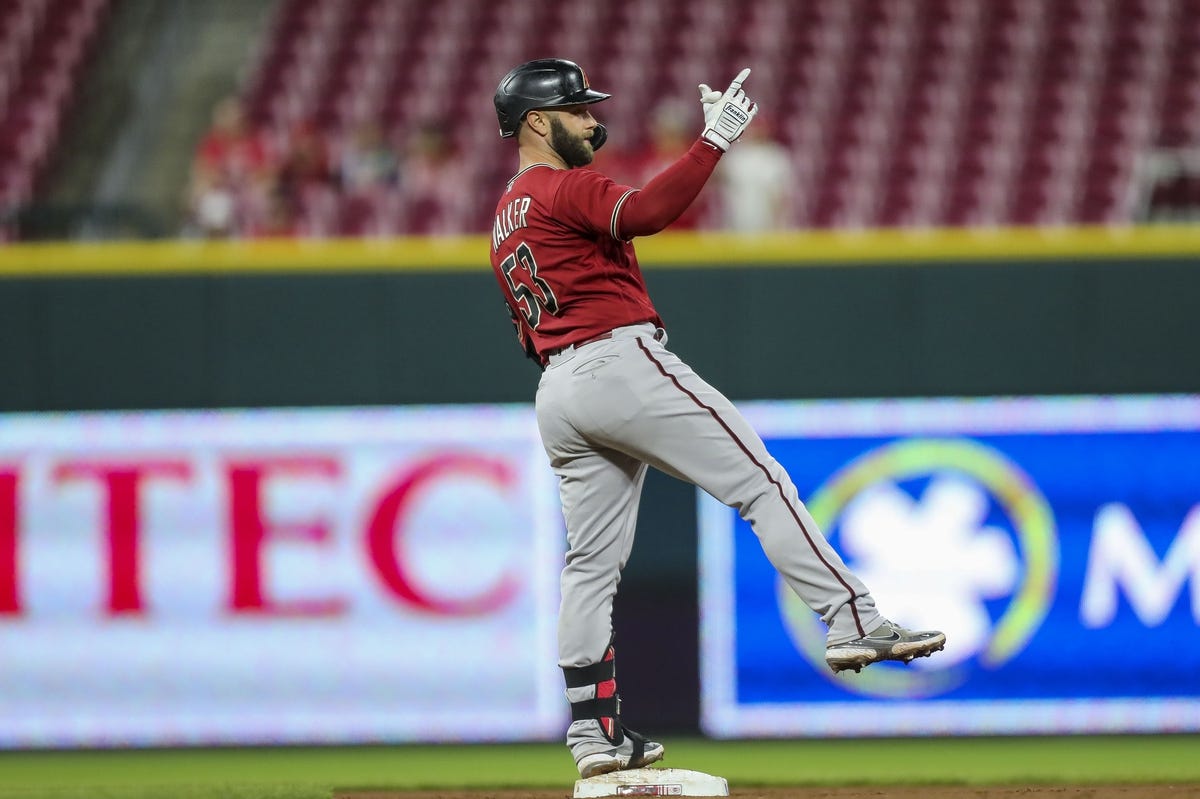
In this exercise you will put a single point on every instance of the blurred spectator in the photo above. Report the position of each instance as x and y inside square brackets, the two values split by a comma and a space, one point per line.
[1170, 185]
[278, 217]
[369, 162]
[232, 174]
[434, 182]
[304, 169]
[756, 179]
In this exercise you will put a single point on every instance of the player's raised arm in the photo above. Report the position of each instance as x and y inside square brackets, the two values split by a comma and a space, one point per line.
[726, 116]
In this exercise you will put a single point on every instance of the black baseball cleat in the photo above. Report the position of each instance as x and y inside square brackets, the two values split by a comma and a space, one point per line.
[595, 753]
[888, 641]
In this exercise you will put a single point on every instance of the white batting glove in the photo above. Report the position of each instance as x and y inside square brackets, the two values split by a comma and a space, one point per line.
[728, 114]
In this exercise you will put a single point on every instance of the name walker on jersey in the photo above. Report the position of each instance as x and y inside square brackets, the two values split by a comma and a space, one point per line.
[509, 220]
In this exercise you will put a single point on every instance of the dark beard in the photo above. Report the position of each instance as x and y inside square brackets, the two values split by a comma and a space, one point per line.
[573, 150]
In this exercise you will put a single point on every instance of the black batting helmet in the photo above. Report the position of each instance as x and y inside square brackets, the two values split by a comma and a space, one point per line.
[544, 83]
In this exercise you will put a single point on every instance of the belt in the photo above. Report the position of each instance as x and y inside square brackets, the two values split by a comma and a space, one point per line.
[602, 337]
[658, 336]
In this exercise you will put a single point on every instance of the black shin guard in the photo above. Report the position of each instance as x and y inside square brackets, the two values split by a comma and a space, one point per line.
[604, 705]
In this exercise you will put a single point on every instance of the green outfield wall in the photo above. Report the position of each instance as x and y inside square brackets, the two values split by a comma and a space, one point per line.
[421, 321]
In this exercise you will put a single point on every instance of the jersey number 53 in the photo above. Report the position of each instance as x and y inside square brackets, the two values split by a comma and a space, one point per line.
[533, 294]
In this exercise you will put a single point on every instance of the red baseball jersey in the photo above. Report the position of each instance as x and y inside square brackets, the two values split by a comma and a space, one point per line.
[565, 272]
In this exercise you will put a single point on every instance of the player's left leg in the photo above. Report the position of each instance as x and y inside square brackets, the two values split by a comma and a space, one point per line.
[598, 740]
[600, 493]
[600, 490]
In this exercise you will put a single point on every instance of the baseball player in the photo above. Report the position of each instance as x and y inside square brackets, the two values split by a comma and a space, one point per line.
[613, 399]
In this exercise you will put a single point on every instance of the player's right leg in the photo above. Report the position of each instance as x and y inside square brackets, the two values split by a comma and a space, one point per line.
[888, 641]
[688, 429]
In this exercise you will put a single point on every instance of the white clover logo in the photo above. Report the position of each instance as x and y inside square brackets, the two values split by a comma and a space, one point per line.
[931, 561]
[935, 560]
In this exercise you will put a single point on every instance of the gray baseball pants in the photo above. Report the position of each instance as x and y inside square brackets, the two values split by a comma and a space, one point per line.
[608, 409]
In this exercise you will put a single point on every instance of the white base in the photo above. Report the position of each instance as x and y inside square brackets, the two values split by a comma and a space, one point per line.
[652, 782]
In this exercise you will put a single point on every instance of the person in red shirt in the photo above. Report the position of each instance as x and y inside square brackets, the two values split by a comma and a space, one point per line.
[232, 175]
[612, 399]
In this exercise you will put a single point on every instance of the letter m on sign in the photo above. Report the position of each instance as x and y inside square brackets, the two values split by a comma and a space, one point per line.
[1121, 558]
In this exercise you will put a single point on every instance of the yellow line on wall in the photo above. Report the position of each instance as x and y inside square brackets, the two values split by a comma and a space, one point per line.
[234, 257]
[924, 246]
[470, 253]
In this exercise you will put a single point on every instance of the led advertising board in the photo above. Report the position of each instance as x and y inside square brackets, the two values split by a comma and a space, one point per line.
[277, 576]
[1056, 542]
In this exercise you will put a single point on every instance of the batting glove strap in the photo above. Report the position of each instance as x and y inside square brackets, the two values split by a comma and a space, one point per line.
[728, 126]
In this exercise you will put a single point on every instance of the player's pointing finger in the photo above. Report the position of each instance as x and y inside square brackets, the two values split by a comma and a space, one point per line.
[737, 82]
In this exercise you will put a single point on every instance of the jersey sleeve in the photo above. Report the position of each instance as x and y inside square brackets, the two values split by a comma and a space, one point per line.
[590, 201]
[669, 193]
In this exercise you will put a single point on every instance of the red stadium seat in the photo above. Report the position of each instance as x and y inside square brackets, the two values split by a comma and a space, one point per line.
[42, 46]
[1001, 90]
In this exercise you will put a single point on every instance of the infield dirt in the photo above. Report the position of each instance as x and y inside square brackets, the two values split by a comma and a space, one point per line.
[1190, 791]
